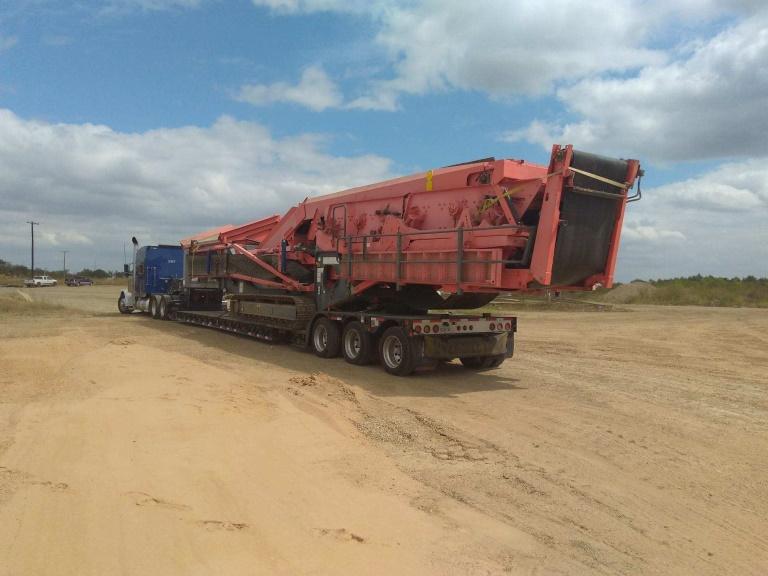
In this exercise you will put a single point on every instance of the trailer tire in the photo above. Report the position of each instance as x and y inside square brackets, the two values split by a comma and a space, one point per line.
[474, 362]
[326, 338]
[481, 363]
[497, 361]
[356, 344]
[396, 352]
[121, 305]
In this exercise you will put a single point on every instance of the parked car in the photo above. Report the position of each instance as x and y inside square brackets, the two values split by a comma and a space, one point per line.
[79, 281]
[39, 281]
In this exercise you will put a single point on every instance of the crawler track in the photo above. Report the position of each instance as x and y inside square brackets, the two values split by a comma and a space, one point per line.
[256, 326]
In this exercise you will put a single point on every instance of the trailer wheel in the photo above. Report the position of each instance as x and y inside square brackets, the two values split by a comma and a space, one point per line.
[474, 362]
[356, 344]
[326, 339]
[497, 361]
[121, 305]
[396, 352]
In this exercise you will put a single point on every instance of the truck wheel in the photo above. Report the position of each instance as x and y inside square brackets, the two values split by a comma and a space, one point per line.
[151, 307]
[396, 352]
[163, 308]
[326, 339]
[156, 312]
[121, 305]
[356, 344]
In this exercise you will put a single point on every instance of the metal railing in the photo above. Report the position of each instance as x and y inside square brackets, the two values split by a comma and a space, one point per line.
[349, 261]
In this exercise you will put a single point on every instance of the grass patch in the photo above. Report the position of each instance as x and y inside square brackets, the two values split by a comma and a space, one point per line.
[110, 281]
[556, 304]
[19, 304]
[749, 292]
[6, 280]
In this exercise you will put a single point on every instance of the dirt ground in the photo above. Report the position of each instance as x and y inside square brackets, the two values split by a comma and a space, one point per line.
[628, 442]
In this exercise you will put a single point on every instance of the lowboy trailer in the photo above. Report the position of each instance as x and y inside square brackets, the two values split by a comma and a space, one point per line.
[381, 272]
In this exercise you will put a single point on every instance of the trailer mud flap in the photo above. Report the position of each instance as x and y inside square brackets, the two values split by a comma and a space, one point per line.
[448, 347]
[588, 214]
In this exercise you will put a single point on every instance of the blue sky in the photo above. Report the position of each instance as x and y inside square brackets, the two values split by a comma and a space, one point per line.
[138, 70]
[163, 117]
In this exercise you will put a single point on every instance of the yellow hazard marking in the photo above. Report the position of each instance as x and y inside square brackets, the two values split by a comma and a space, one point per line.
[506, 193]
[429, 181]
[597, 177]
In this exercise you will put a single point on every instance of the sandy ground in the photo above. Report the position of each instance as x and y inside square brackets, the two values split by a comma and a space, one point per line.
[614, 443]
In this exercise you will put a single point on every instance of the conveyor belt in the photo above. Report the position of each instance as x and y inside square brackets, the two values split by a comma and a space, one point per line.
[584, 238]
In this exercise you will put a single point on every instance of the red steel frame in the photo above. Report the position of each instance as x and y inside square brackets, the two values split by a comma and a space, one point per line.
[453, 228]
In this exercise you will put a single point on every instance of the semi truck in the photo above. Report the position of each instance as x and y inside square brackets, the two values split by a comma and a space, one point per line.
[396, 271]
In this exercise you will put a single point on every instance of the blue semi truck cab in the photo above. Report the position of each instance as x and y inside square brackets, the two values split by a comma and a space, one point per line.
[157, 271]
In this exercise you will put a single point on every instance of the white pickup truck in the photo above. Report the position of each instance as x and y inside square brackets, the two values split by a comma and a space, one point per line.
[38, 281]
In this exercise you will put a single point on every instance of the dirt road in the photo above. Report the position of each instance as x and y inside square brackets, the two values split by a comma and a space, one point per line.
[614, 443]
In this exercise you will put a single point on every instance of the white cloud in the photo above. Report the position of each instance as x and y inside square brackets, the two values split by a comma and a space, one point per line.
[651, 233]
[69, 238]
[710, 102]
[733, 187]
[310, 6]
[315, 90]
[381, 96]
[506, 49]
[714, 223]
[509, 50]
[90, 184]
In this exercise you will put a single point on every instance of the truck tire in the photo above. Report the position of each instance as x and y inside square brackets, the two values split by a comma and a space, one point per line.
[156, 313]
[356, 344]
[326, 338]
[121, 305]
[396, 352]
[152, 307]
[162, 308]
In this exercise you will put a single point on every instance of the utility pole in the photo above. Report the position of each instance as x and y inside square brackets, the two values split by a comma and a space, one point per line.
[64, 252]
[32, 229]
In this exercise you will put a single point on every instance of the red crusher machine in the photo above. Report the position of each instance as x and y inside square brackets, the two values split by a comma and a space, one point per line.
[381, 272]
